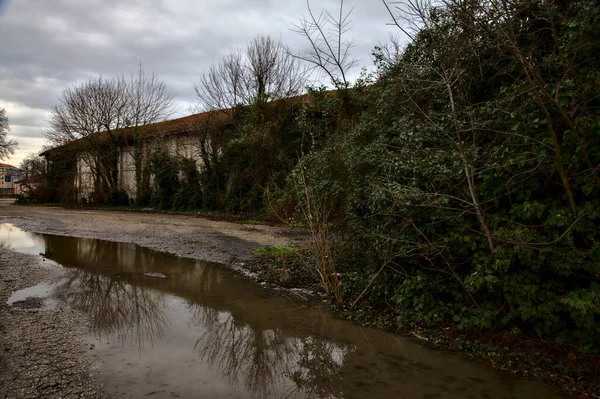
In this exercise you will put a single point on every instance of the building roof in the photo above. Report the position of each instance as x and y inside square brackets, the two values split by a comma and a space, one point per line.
[7, 166]
[158, 129]
[174, 126]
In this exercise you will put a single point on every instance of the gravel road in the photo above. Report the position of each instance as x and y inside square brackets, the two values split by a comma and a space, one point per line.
[182, 235]
[42, 351]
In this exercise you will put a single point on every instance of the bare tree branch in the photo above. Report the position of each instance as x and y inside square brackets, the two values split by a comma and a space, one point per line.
[7, 147]
[264, 72]
[103, 112]
[329, 50]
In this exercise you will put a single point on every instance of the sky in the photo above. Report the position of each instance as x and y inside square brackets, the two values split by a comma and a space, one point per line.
[49, 45]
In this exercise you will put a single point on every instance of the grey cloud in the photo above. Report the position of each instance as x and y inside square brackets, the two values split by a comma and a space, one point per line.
[49, 45]
[27, 117]
[20, 132]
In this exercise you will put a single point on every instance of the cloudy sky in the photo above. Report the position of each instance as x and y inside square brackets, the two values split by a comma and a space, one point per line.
[47, 45]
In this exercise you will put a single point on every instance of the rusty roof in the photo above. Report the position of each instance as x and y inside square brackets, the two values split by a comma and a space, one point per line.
[7, 166]
[174, 126]
[157, 129]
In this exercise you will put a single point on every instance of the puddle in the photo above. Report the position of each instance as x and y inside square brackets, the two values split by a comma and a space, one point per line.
[206, 332]
[38, 297]
[15, 239]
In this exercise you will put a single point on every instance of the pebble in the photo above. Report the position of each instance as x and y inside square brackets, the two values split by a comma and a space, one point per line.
[41, 352]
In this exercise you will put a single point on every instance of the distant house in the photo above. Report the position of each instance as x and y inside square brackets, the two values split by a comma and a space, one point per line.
[8, 175]
[24, 187]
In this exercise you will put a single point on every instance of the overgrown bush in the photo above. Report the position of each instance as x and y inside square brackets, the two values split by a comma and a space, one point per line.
[470, 182]
[189, 195]
[165, 169]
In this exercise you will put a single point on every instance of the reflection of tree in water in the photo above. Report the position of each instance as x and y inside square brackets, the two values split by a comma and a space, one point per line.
[318, 366]
[117, 304]
[115, 307]
[240, 353]
[264, 360]
[96, 255]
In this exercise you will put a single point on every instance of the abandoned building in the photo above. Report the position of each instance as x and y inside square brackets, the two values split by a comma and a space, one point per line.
[81, 165]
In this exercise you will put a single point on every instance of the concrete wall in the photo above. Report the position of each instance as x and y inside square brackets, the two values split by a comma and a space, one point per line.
[127, 181]
[183, 145]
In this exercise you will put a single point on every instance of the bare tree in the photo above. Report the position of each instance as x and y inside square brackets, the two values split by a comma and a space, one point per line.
[32, 166]
[221, 87]
[404, 18]
[273, 73]
[386, 55]
[109, 105]
[105, 113]
[148, 102]
[264, 72]
[7, 147]
[329, 50]
[4, 126]
[95, 112]
[84, 110]
[147, 98]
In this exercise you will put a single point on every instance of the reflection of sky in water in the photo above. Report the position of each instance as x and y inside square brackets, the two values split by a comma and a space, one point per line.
[21, 241]
[41, 290]
[44, 291]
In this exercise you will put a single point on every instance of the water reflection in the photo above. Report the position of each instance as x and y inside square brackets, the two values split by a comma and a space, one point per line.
[15, 239]
[117, 308]
[209, 333]
[318, 370]
[242, 354]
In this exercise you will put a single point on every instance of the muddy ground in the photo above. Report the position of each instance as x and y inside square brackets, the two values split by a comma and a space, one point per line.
[181, 235]
[42, 353]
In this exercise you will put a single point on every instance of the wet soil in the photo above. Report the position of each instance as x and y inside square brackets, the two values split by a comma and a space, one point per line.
[143, 323]
[181, 235]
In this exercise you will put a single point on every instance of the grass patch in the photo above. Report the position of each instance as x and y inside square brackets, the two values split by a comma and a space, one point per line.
[277, 250]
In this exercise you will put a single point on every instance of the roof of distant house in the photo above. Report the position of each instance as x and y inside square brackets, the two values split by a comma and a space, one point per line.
[7, 166]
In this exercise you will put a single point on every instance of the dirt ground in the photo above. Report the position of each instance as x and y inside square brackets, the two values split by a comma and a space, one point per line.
[42, 353]
[181, 235]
